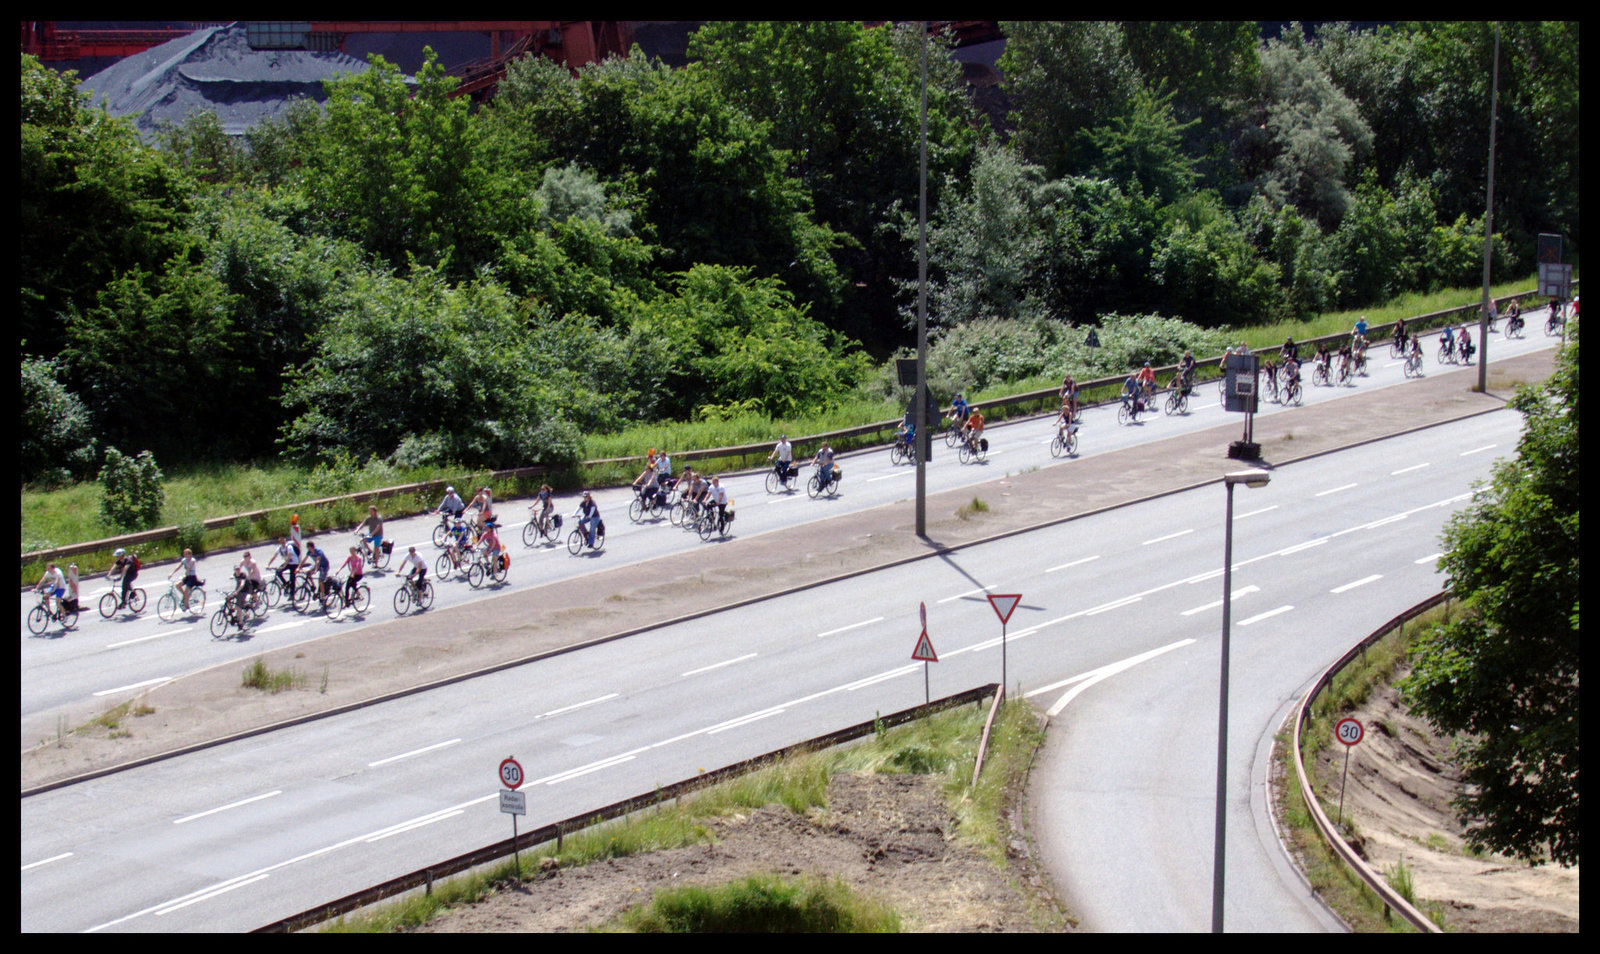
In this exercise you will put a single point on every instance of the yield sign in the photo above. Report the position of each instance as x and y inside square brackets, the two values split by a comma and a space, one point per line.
[924, 650]
[1004, 604]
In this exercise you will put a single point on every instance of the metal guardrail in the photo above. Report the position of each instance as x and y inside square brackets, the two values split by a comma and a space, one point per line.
[1043, 397]
[1330, 834]
[424, 877]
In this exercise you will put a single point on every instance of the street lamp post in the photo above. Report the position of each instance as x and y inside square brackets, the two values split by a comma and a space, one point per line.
[1250, 478]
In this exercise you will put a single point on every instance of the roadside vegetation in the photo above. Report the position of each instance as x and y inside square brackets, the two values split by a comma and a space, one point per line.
[943, 745]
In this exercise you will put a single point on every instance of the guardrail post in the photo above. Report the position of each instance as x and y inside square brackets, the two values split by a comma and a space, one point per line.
[427, 889]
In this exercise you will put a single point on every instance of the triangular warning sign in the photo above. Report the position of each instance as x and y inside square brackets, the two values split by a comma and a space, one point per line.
[1004, 604]
[924, 650]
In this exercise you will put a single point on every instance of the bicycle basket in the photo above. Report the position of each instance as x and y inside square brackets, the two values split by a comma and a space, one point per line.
[983, 443]
[388, 546]
[556, 517]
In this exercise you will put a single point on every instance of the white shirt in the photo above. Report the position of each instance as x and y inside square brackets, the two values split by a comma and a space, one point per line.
[664, 465]
[786, 452]
[719, 494]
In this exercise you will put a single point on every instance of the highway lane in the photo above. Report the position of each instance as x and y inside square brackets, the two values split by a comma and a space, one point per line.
[103, 662]
[242, 834]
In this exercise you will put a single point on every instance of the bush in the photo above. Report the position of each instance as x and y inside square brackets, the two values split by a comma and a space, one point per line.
[57, 440]
[131, 487]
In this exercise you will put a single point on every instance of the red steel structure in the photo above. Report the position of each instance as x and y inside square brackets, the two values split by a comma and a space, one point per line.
[41, 39]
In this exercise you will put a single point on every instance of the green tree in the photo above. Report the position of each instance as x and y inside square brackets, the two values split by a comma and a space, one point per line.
[57, 434]
[1505, 673]
[131, 492]
[1145, 146]
[1064, 77]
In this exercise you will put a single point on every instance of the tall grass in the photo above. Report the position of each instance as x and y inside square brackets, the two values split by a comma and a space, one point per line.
[763, 904]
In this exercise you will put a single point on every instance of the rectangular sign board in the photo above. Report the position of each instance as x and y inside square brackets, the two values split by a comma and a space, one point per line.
[1239, 391]
[513, 803]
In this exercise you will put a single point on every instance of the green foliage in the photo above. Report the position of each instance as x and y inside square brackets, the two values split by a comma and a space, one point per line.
[131, 491]
[57, 435]
[764, 904]
[1065, 76]
[1209, 271]
[202, 149]
[1145, 147]
[1506, 673]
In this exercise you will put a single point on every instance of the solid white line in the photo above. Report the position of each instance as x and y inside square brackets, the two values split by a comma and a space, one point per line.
[865, 622]
[586, 769]
[137, 685]
[1302, 546]
[130, 642]
[1073, 563]
[725, 662]
[1254, 512]
[981, 589]
[65, 854]
[1234, 595]
[1361, 582]
[903, 473]
[289, 625]
[1429, 558]
[243, 801]
[744, 721]
[1114, 604]
[1104, 672]
[1407, 470]
[1170, 536]
[206, 897]
[881, 677]
[577, 705]
[407, 755]
[413, 825]
[1261, 616]
[1477, 450]
[1334, 490]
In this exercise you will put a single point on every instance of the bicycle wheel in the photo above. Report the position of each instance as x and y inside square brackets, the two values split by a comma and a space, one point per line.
[274, 592]
[425, 595]
[1072, 445]
[167, 607]
[1058, 446]
[196, 603]
[575, 542]
[530, 533]
[402, 599]
[380, 558]
[332, 602]
[363, 600]
[501, 570]
[708, 527]
[636, 509]
[38, 619]
[1124, 414]
[1397, 348]
[1292, 396]
[304, 593]
[676, 514]
[964, 453]
[897, 455]
[475, 575]
[108, 605]
[136, 600]
[952, 435]
[69, 618]
[1172, 404]
[219, 623]
[443, 566]
[258, 605]
[441, 533]
[814, 486]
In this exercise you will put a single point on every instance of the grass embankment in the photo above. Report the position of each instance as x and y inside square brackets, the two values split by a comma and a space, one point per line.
[944, 745]
[1338, 885]
[57, 517]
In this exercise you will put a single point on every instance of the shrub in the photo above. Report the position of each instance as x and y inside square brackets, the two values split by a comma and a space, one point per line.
[131, 490]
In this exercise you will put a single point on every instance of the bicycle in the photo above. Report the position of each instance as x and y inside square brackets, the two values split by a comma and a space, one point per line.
[541, 525]
[685, 513]
[974, 448]
[646, 501]
[781, 478]
[1447, 352]
[1178, 401]
[817, 487]
[111, 602]
[336, 600]
[441, 533]
[1065, 443]
[481, 568]
[304, 593]
[1553, 325]
[1361, 363]
[1319, 375]
[1344, 371]
[418, 593]
[577, 539]
[1271, 377]
[1514, 325]
[236, 610]
[377, 556]
[712, 524]
[1413, 366]
[41, 616]
[902, 451]
[1397, 346]
[1291, 392]
[1129, 411]
[172, 602]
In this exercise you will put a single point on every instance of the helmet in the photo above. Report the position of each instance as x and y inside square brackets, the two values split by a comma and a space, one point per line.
[120, 552]
[449, 490]
[586, 495]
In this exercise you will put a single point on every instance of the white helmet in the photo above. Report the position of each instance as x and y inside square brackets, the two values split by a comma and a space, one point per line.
[120, 552]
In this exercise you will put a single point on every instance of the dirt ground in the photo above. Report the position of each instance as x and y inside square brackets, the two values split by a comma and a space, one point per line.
[1398, 795]
[889, 836]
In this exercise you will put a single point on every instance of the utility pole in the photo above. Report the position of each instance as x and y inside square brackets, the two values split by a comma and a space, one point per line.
[1488, 225]
[921, 399]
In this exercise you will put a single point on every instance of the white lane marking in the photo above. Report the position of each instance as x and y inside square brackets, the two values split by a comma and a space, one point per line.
[1428, 559]
[260, 873]
[778, 500]
[1213, 605]
[410, 826]
[725, 662]
[407, 755]
[1478, 450]
[576, 705]
[45, 861]
[1073, 563]
[130, 642]
[1361, 582]
[1334, 490]
[289, 625]
[223, 808]
[208, 896]
[881, 677]
[586, 769]
[1407, 470]
[1170, 536]
[138, 685]
[958, 596]
[903, 473]
[1304, 546]
[1094, 676]
[1254, 512]
[842, 629]
[1261, 616]
[745, 720]
[1386, 520]
[1114, 604]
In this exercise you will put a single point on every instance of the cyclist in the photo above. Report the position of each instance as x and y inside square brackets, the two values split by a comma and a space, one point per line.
[1184, 377]
[451, 504]
[247, 576]
[664, 473]
[1464, 345]
[717, 495]
[191, 581]
[291, 561]
[458, 541]
[1346, 352]
[1360, 330]
[316, 561]
[1290, 351]
[354, 566]
[54, 587]
[545, 503]
[974, 429]
[1416, 349]
[1514, 318]
[1400, 333]
[1447, 340]
[1358, 351]
[125, 568]
[490, 541]
[371, 530]
[72, 587]
[415, 569]
[1065, 422]
[905, 433]
[647, 485]
[1147, 382]
[783, 453]
[959, 410]
[1069, 395]
[1291, 371]
[824, 459]
[1131, 394]
[1324, 358]
[589, 516]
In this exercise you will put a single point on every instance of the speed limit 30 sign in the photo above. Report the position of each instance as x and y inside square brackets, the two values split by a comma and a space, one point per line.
[511, 774]
[1348, 731]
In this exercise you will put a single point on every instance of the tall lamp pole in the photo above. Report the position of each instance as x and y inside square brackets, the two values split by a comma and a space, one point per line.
[1250, 478]
[921, 400]
[1488, 225]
